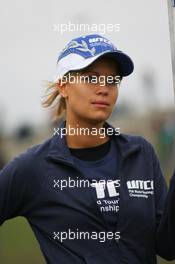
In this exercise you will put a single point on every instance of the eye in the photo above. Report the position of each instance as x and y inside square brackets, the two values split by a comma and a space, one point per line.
[91, 79]
[113, 80]
[110, 81]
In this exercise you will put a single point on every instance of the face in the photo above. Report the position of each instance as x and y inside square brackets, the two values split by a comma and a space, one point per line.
[92, 101]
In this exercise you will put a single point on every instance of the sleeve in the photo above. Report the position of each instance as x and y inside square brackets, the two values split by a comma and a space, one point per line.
[162, 244]
[160, 188]
[164, 209]
[166, 229]
[14, 188]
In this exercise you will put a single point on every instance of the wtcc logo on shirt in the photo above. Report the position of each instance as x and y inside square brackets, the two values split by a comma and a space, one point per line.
[140, 188]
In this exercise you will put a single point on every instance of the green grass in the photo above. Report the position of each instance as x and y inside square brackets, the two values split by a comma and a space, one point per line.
[18, 243]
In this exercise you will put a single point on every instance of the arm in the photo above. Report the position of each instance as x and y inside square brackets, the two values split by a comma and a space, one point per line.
[13, 188]
[166, 230]
[164, 246]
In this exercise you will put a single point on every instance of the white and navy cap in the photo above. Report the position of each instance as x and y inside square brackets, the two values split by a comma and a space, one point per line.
[81, 52]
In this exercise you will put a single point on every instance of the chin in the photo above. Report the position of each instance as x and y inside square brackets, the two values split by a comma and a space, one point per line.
[98, 118]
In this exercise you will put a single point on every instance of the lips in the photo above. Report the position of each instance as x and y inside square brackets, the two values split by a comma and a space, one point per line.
[100, 102]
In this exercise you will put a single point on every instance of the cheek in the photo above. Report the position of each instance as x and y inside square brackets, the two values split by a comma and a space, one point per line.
[78, 96]
[114, 95]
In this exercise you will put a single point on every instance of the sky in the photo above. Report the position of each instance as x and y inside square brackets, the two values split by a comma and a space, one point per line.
[31, 42]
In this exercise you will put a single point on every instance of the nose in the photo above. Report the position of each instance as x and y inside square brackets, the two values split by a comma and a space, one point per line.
[102, 91]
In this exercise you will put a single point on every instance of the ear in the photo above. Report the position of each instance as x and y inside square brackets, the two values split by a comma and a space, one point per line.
[62, 89]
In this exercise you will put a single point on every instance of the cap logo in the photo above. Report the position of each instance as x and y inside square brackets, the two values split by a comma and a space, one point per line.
[82, 46]
[91, 40]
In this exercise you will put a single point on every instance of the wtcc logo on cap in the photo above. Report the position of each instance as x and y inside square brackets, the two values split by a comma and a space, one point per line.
[99, 39]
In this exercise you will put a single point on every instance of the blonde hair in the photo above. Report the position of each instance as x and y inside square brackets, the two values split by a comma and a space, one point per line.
[55, 100]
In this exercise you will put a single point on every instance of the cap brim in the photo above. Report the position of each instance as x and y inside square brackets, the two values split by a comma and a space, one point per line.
[124, 61]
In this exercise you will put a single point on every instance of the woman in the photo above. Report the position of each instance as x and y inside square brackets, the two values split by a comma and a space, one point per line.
[90, 194]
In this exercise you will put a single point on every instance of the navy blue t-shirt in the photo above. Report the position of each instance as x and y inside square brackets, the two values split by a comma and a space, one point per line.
[102, 171]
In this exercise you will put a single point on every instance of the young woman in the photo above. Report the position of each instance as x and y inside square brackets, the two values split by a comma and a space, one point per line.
[91, 194]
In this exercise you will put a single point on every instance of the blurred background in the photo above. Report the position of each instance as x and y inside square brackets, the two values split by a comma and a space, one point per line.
[30, 43]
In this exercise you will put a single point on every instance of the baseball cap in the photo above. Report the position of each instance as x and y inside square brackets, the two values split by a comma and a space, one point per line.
[82, 51]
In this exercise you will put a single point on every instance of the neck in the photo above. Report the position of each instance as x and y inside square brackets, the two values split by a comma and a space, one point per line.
[85, 134]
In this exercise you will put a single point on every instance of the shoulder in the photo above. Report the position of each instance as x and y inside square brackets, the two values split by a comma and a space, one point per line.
[30, 158]
[26, 170]
[128, 139]
[129, 142]
[36, 151]
[136, 139]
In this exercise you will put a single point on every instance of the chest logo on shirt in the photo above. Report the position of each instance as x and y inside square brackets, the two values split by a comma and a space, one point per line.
[140, 188]
[107, 195]
[111, 186]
